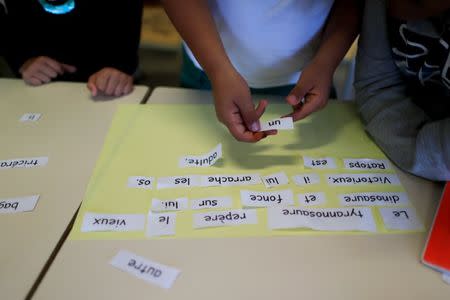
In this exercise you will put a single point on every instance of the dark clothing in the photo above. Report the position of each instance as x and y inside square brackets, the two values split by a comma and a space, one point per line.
[96, 34]
[2, 28]
[421, 51]
[412, 128]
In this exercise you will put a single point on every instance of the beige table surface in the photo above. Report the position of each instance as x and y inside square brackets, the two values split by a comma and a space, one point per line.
[70, 132]
[302, 267]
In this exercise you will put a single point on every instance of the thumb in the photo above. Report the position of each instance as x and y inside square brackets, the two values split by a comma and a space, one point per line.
[69, 68]
[297, 94]
[249, 114]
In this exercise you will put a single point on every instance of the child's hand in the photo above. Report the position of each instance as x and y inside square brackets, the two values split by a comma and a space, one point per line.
[110, 82]
[314, 87]
[42, 69]
[235, 109]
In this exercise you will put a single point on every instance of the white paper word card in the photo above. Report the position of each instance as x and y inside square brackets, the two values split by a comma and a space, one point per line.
[205, 160]
[266, 199]
[308, 199]
[145, 269]
[225, 218]
[140, 182]
[159, 224]
[367, 164]
[112, 222]
[275, 179]
[374, 199]
[328, 219]
[278, 124]
[400, 218]
[319, 163]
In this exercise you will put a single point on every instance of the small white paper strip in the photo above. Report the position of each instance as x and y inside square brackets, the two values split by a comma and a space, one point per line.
[230, 180]
[167, 205]
[145, 269]
[400, 218]
[363, 179]
[266, 199]
[319, 163]
[112, 222]
[275, 179]
[178, 181]
[225, 218]
[446, 277]
[374, 199]
[205, 160]
[279, 124]
[30, 117]
[30, 162]
[140, 182]
[306, 179]
[367, 164]
[211, 202]
[160, 224]
[328, 219]
[309, 199]
[19, 204]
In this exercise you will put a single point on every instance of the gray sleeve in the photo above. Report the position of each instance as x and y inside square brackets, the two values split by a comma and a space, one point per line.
[404, 132]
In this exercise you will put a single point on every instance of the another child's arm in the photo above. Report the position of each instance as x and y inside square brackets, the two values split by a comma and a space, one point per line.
[406, 134]
[42, 69]
[110, 82]
[233, 102]
[342, 27]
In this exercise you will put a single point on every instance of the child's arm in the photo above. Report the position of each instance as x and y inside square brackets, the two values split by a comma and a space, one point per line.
[342, 27]
[403, 130]
[233, 102]
[110, 82]
[42, 69]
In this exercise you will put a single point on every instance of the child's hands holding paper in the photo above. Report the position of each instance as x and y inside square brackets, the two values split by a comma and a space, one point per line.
[235, 108]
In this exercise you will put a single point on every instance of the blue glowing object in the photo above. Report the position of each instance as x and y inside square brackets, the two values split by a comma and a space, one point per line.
[58, 7]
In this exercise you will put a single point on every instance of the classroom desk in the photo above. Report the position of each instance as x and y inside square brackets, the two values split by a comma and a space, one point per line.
[70, 132]
[302, 267]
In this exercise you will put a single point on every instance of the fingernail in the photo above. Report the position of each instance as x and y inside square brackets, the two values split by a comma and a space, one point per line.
[255, 126]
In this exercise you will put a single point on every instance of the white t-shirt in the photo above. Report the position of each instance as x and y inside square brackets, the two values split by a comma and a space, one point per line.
[269, 41]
